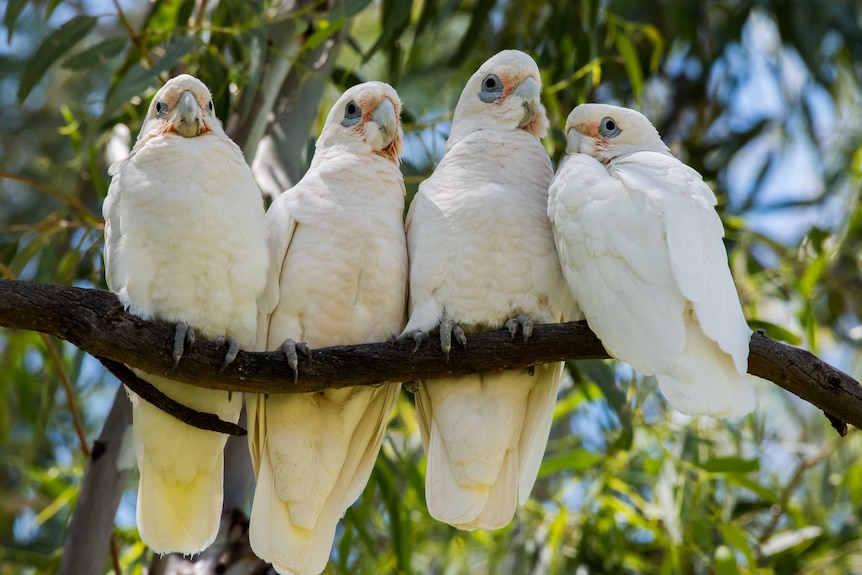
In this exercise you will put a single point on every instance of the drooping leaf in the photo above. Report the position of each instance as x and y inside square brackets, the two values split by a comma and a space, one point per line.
[10, 16]
[574, 460]
[737, 538]
[775, 331]
[96, 55]
[58, 43]
[138, 78]
[631, 62]
[730, 465]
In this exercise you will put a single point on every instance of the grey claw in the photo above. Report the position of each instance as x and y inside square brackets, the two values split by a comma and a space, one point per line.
[411, 386]
[526, 326]
[512, 326]
[184, 336]
[289, 348]
[303, 348]
[460, 336]
[393, 337]
[446, 326]
[417, 335]
[232, 350]
[524, 322]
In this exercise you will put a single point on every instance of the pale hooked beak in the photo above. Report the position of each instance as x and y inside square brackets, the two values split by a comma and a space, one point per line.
[386, 119]
[574, 139]
[187, 119]
[528, 91]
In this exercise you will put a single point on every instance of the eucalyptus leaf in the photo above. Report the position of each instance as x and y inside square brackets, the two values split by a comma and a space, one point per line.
[137, 78]
[58, 43]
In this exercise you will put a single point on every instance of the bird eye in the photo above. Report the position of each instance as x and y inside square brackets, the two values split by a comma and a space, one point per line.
[210, 106]
[492, 89]
[352, 114]
[608, 128]
[161, 109]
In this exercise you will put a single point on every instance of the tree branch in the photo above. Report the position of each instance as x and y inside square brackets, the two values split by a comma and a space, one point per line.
[95, 321]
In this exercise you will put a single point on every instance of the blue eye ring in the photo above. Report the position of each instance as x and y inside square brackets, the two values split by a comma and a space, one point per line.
[492, 89]
[608, 128]
[352, 114]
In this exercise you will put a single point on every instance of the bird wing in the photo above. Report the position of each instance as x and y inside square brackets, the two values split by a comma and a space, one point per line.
[694, 233]
[612, 247]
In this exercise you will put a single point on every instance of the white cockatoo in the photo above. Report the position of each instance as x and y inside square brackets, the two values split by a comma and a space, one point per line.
[641, 246]
[185, 242]
[482, 257]
[338, 276]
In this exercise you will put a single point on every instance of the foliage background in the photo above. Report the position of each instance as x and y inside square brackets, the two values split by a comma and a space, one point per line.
[762, 97]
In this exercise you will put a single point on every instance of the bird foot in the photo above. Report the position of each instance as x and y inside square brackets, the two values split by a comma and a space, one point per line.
[525, 323]
[417, 335]
[184, 336]
[448, 330]
[290, 349]
[232, 350]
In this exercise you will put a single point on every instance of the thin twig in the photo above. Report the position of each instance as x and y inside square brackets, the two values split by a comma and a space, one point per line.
[133, 36]
[115, 555]
[69, 199]
[150, 393]
[70, 396]
[804, 464]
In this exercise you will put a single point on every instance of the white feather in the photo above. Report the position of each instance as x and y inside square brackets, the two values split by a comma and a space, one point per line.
[640, 244]
[184, 242]
[339, 274]
[482, 252]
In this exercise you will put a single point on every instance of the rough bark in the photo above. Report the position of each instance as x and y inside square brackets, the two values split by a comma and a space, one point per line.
[95, 321]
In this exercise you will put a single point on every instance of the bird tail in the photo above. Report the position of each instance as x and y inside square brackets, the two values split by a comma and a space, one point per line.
[297, 505]
[181, 470]
[707, 381]
[485, 436]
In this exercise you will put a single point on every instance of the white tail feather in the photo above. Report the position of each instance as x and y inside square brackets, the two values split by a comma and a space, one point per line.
[485, 440]
[708, 382]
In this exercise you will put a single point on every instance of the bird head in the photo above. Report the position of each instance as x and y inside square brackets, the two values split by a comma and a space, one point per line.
[183, 106]
[503, 94]
[367, 115]
[607, 132]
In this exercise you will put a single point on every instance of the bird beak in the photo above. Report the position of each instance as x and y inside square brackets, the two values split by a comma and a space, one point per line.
[528, 91]
[574, 138]
[187, 119]
[385, 118]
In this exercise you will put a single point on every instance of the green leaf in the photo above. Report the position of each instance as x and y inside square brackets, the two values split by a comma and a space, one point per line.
[10, 16]
[730, 465]
[775, 331]
[630, 61]
[58, 43]
[725, 561]
[657, 41]
[574, 460]
[138, 78]
[325, 29]
[96, 55]
[764, 492]
[394, 15]
[736, 537]
[349, 9]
